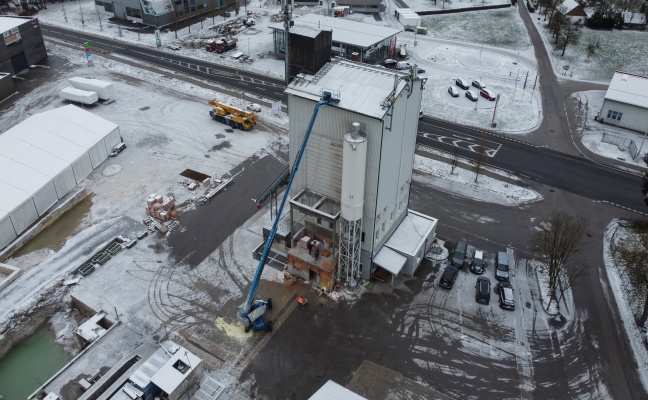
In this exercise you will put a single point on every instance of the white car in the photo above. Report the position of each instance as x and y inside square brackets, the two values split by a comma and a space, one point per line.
[453, 91]
[254, 107]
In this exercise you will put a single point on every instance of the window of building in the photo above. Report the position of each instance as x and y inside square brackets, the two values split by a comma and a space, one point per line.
[383, 227]
[331, 225]
[193, 8]
[177, 3]
[99, 3]
[319, 221]
[362, 237]
[614, 115]
[180, 13]
[377, 234]
[133, 12]
[109, 7]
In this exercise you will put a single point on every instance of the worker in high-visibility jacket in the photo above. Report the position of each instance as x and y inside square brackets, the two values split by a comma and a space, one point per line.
[300, 300]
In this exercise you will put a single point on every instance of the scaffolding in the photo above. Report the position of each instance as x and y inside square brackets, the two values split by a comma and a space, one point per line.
[350, 247]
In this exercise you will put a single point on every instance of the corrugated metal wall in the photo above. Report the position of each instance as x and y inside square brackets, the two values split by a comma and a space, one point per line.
[7, 232]
[23, 216]
[98, 154]
[390, 158]
[82, 167]
[112, 140]
[323, 163]
[45, 198]
[64, 182]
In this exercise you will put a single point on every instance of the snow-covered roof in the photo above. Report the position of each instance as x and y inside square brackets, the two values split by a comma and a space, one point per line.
[38, 149]
[333, 391]
[361, 87]
[8, 22]
[91, 330]
[633, 18]
[175, 370]
[406, 12]
[567, 6]
[629, 89]
[142, 376]
[307, 31]
[414, 229]
[390, 260]
[344, 31]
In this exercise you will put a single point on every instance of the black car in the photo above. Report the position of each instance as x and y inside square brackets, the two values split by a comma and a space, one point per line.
[448, 277]
[461, 83]
[225, 14]
[506, 298]
[482, 290]
[478, 263]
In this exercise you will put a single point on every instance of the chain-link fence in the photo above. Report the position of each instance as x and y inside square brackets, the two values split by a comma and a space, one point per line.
[626, 143]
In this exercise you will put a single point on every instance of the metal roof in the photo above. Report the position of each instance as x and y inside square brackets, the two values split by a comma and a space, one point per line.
[414, 229]
[8, 22]
[168, 378]
[142, 376]
[38, 149]
[333, 391]
[629, 89]
[307, 31]
[345, 31]
[362, 88]
[390, 260]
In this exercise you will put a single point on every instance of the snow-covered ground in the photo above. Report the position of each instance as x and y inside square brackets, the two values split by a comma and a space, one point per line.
[509, 71]
[619, 50]
[434, 5]
[160, 144]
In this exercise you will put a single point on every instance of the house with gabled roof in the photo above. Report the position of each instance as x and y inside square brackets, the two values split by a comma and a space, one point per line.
[626, 102]
[573, 11]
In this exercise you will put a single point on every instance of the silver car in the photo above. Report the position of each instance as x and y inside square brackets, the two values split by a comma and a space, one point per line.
[453, 91]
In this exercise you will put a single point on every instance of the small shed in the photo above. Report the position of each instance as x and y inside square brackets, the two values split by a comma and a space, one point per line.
[626, 102]
[178, 374]
[332, 390]
[94, 328]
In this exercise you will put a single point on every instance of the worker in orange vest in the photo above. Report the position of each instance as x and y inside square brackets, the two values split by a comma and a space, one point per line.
[300, 300]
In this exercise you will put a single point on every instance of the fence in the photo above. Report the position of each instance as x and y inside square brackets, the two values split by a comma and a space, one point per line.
[626, 143]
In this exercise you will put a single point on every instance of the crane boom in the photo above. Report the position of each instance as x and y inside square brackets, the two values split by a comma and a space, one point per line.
[247, 313]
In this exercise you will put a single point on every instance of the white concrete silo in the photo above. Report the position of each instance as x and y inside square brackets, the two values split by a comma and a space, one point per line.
[354, 161]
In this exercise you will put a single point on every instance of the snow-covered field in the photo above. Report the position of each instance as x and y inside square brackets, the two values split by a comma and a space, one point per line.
[620, 50]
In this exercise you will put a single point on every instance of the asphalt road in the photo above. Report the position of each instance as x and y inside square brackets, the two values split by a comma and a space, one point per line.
[574, 174]
[228, 77]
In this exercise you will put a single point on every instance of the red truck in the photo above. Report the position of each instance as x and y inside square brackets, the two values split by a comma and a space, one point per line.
[220, 45]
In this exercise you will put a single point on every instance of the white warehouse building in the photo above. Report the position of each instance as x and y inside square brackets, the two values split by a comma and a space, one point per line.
[350, 196]
[43, 158]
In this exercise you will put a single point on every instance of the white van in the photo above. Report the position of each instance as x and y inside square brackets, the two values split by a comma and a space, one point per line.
[403, 65]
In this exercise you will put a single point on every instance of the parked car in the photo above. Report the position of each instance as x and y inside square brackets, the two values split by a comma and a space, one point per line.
[459, 253]
[420, 114]
[487, 94]
[254, 107]
[421, 70]
[502, 266]
[448, 277]
[390, 63]
[462, 84]
[453, 91]
[506, 295]
[403, 65]
[225, 14]
[478, 263]
[482, 290]
[471, 95]
[478, 84]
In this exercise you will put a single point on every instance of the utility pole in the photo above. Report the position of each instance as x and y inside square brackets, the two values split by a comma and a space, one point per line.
[287, 24]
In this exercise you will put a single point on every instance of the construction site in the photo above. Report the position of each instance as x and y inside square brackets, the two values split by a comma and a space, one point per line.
[165, 251]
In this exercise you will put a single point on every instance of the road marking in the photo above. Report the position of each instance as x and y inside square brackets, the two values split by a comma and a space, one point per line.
[462, 143]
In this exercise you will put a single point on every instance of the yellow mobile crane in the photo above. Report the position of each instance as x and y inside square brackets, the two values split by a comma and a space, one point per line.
[232, 116]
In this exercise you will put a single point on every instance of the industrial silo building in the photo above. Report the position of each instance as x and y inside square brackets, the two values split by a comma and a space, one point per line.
[349, 216]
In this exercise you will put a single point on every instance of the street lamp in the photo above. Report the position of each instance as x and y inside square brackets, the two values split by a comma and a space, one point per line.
[477, 101]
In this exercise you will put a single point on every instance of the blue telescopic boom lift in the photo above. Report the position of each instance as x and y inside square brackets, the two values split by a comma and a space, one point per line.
[250, 314]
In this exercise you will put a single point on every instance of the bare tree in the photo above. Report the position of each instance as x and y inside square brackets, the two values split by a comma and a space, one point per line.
[570, 34]
[455, 158]
[479, 161]
[591, 48]
[631, 255]
[551, 6]
[555, 243]
[556, 25]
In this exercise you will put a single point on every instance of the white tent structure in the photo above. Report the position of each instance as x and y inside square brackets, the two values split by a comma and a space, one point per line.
[43, 158]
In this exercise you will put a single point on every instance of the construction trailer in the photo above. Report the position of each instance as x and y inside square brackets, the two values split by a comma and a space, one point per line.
[232, 116]
[105, 90]
[79, 96]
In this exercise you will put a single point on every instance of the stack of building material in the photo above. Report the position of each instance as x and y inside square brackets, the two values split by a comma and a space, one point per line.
[160, 206]
[303, 242]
